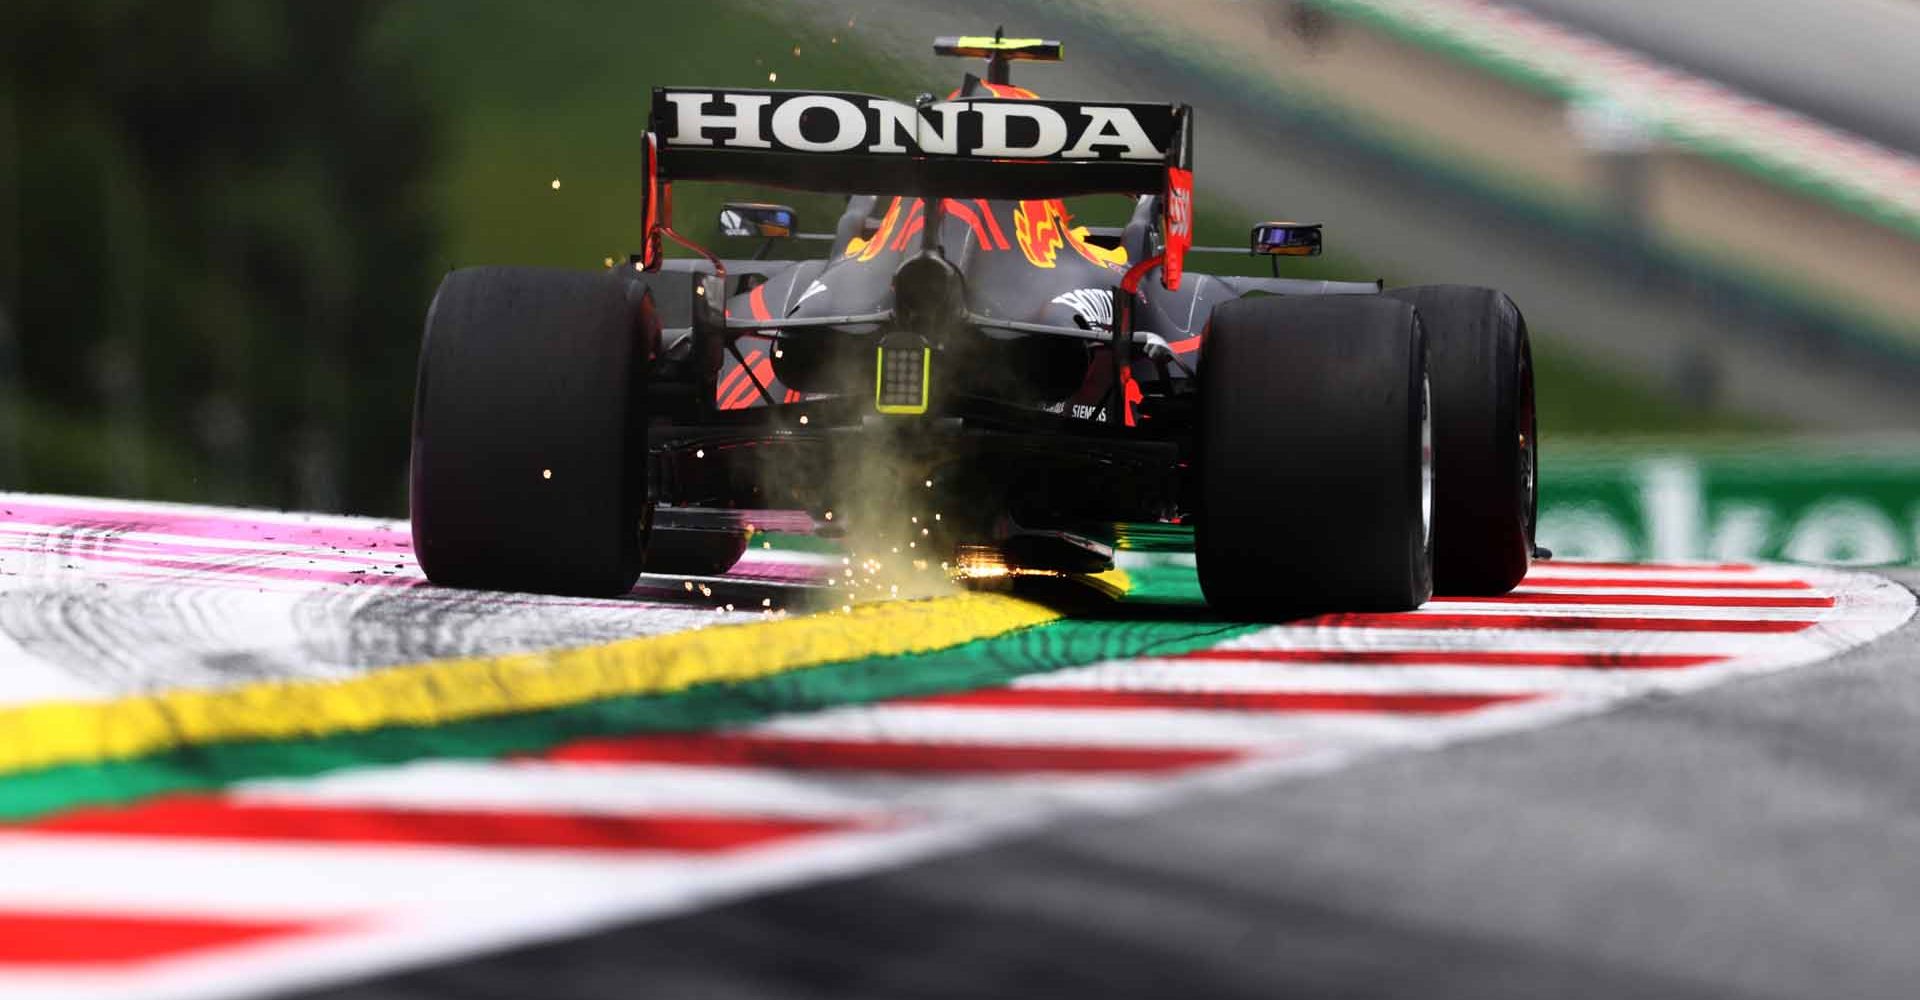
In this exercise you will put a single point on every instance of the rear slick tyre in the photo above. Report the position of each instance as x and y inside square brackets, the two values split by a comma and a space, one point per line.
[1314, 460]
[1486, 438]
[529, 432]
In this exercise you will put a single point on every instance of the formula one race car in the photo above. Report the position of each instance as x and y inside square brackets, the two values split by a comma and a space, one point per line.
[968, 362]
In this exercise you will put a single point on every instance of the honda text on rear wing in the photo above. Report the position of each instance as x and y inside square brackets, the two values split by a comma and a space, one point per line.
[977, 147]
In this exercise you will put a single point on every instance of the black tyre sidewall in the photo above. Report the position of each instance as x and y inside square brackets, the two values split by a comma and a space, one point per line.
[529, 435]
[1307, 461]
[1482, 372]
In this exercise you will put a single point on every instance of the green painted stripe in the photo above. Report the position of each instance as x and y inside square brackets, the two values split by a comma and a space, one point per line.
[57, 733]
[1162, 578]
[789, 541]
[983, 662]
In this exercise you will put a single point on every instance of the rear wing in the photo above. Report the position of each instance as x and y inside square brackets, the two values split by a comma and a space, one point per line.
[998, 47]
[967, 147]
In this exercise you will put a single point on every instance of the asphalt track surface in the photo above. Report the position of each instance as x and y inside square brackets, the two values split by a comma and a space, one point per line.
[1652, 779]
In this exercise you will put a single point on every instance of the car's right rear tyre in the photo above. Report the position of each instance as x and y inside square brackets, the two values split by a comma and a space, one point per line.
[529, 432]
[1314, 462]
[1486, 442]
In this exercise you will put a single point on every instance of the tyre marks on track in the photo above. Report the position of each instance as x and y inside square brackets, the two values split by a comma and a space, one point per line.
[275, 883]
[106, 598]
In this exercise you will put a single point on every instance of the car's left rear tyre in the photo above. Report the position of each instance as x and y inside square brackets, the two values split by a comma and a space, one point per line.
[529, 432]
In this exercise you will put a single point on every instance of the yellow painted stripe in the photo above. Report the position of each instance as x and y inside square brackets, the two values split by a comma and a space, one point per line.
[443, 691]
[990, 42]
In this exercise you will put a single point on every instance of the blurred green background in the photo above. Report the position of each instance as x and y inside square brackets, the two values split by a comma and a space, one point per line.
[221, 220]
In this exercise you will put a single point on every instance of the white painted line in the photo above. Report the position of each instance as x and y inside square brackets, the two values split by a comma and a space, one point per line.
[1104, 727]
[238, 878]
[1255, 677]
[590, 788]
[1625, 613]
[1293, 637]
[566, 788]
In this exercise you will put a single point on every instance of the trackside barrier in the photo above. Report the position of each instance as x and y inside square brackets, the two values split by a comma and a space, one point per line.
[1851, 506]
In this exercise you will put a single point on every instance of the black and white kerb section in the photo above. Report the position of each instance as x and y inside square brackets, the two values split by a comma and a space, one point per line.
[789, 122]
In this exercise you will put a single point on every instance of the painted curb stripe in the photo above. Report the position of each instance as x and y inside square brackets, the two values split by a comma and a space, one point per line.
[200, 817]
[236, 525]
[50, 939]
[446, 691]
[1530, 596]
[888, 756]
[1654, 568]
[1254, 677]
[875, 772]
[526, 784]
[1075, 728]
[984, 662]
[1665, 584]
[1594, 623]
[1461, 657]
[36, 540]
[88, 538]
[354, 577]
[1228, 701]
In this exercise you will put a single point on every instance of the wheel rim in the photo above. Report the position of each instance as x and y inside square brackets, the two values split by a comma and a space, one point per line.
[1426, 463]
[1529, 441]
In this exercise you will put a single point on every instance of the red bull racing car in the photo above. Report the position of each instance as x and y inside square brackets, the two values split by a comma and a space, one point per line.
[968, 360]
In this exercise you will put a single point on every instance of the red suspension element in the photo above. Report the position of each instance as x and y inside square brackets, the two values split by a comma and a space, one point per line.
[1130, 282]
[719, 266]
[662, 225]
[651, 208]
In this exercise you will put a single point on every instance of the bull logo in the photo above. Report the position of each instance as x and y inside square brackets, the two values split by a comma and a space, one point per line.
[1039, 228]
[867, 248]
